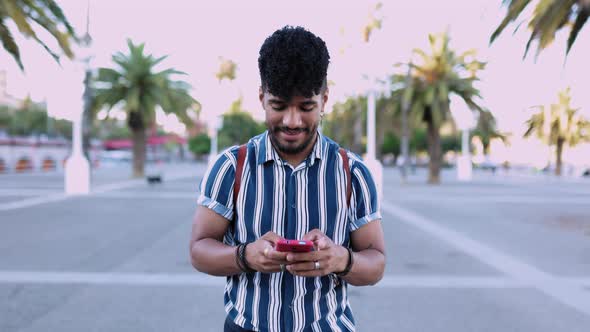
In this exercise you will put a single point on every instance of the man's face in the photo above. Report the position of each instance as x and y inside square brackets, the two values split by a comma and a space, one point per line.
[293, 124]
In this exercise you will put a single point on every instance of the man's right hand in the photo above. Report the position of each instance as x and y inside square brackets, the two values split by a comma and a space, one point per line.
[262, 256]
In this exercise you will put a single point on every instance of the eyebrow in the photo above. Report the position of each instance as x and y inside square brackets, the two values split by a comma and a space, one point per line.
[309, 102]
[276, 101]
[282, 102]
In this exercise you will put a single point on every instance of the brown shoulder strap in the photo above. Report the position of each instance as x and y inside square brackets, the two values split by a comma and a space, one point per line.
[239, 168]
[348, 177]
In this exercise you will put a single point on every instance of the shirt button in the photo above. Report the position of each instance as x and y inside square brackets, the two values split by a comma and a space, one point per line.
[292, 206]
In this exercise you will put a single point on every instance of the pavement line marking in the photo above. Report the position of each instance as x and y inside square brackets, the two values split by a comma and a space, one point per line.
[200, 279]
[27, 202]
[27, 192]
[157, 195]
[506, 199]
[567, 293]
[32, 201]
[450, 282]
[130, 279]
[516, 199]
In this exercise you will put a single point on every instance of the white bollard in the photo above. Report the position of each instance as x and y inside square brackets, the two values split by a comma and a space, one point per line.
[376, 169]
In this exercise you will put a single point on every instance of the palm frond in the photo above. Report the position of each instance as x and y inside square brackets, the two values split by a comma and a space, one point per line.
[548, 17]
[515, 8]
[9, 44]
[580, 21]
[46, 14]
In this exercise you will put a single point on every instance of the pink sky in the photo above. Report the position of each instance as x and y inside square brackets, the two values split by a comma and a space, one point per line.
[196, 33]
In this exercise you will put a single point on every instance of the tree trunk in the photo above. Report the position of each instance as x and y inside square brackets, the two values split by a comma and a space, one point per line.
[139, 142]
[357, 138]
[87, 135]
[486, 148]
[434, 152]
[87, 114]
[181, 151]
[558, 153]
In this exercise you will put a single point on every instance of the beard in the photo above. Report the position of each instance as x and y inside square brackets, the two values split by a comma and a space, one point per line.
[288, 148]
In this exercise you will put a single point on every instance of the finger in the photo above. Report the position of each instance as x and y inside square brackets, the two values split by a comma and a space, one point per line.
[301, 267]
[277, 255]
[276, 261]
[272, 268]
[268, 247]
[313, 235]
[304, 256]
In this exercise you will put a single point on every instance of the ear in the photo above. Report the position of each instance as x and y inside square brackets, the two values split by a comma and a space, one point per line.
[324, 99]
[261, 95]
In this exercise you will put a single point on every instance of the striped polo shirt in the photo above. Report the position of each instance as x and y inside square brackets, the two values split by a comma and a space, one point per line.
[290, 201]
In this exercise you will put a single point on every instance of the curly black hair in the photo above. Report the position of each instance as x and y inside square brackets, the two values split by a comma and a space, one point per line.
[293, 61]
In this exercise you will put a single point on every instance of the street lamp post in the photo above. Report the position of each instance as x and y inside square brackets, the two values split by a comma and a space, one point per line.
[464, 119]
[77, 167]
[464, 168]
[215, 126]
[406, 99]
[371, 161]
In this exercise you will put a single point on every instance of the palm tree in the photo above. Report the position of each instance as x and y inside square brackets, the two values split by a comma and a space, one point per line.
[28, 15]
[135, 83]
[346, 121]
[548, 17]
[486, 130]
[558, 125]
[238, 126]
[432, 78]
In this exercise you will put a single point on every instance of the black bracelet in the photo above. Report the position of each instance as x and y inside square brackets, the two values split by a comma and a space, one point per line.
[348, 266]
[238, 261]
[246, 268]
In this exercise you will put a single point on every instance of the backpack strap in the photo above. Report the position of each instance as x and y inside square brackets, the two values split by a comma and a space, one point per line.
[239, 168]
[344, 156]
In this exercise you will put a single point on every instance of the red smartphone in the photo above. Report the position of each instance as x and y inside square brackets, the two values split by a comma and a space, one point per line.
[285, 245]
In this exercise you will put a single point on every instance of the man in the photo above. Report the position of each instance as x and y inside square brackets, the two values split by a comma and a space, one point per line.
[294, 185]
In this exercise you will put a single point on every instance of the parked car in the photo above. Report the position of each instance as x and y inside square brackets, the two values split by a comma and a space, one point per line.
[487, 164]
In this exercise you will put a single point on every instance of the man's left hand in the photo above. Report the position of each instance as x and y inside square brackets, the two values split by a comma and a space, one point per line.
[327, 258]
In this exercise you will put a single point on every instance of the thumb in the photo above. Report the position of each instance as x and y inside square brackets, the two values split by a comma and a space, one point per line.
[323, 243]
[267, 247]
[313, 235]
[271, 237]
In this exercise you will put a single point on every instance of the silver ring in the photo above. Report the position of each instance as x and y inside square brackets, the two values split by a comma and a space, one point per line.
[316, 265]
[283, 268]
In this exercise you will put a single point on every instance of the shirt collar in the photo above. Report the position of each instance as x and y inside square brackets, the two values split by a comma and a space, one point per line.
[267, 151]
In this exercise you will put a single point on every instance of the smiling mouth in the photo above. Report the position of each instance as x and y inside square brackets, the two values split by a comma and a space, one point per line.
[292, 134]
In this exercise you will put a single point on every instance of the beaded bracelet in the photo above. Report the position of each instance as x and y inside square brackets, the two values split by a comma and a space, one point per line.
[243, 263]
[238, 261]
[348, 266]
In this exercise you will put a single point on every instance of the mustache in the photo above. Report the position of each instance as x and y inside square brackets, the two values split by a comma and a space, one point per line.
[291, 130]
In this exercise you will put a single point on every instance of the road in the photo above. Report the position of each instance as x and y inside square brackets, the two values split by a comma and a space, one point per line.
[500, 253]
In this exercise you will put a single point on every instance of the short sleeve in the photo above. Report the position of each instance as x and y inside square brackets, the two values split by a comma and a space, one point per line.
[364, 203]
[217, 186]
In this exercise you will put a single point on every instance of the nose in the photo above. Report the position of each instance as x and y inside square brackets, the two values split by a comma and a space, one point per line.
[292, 118]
